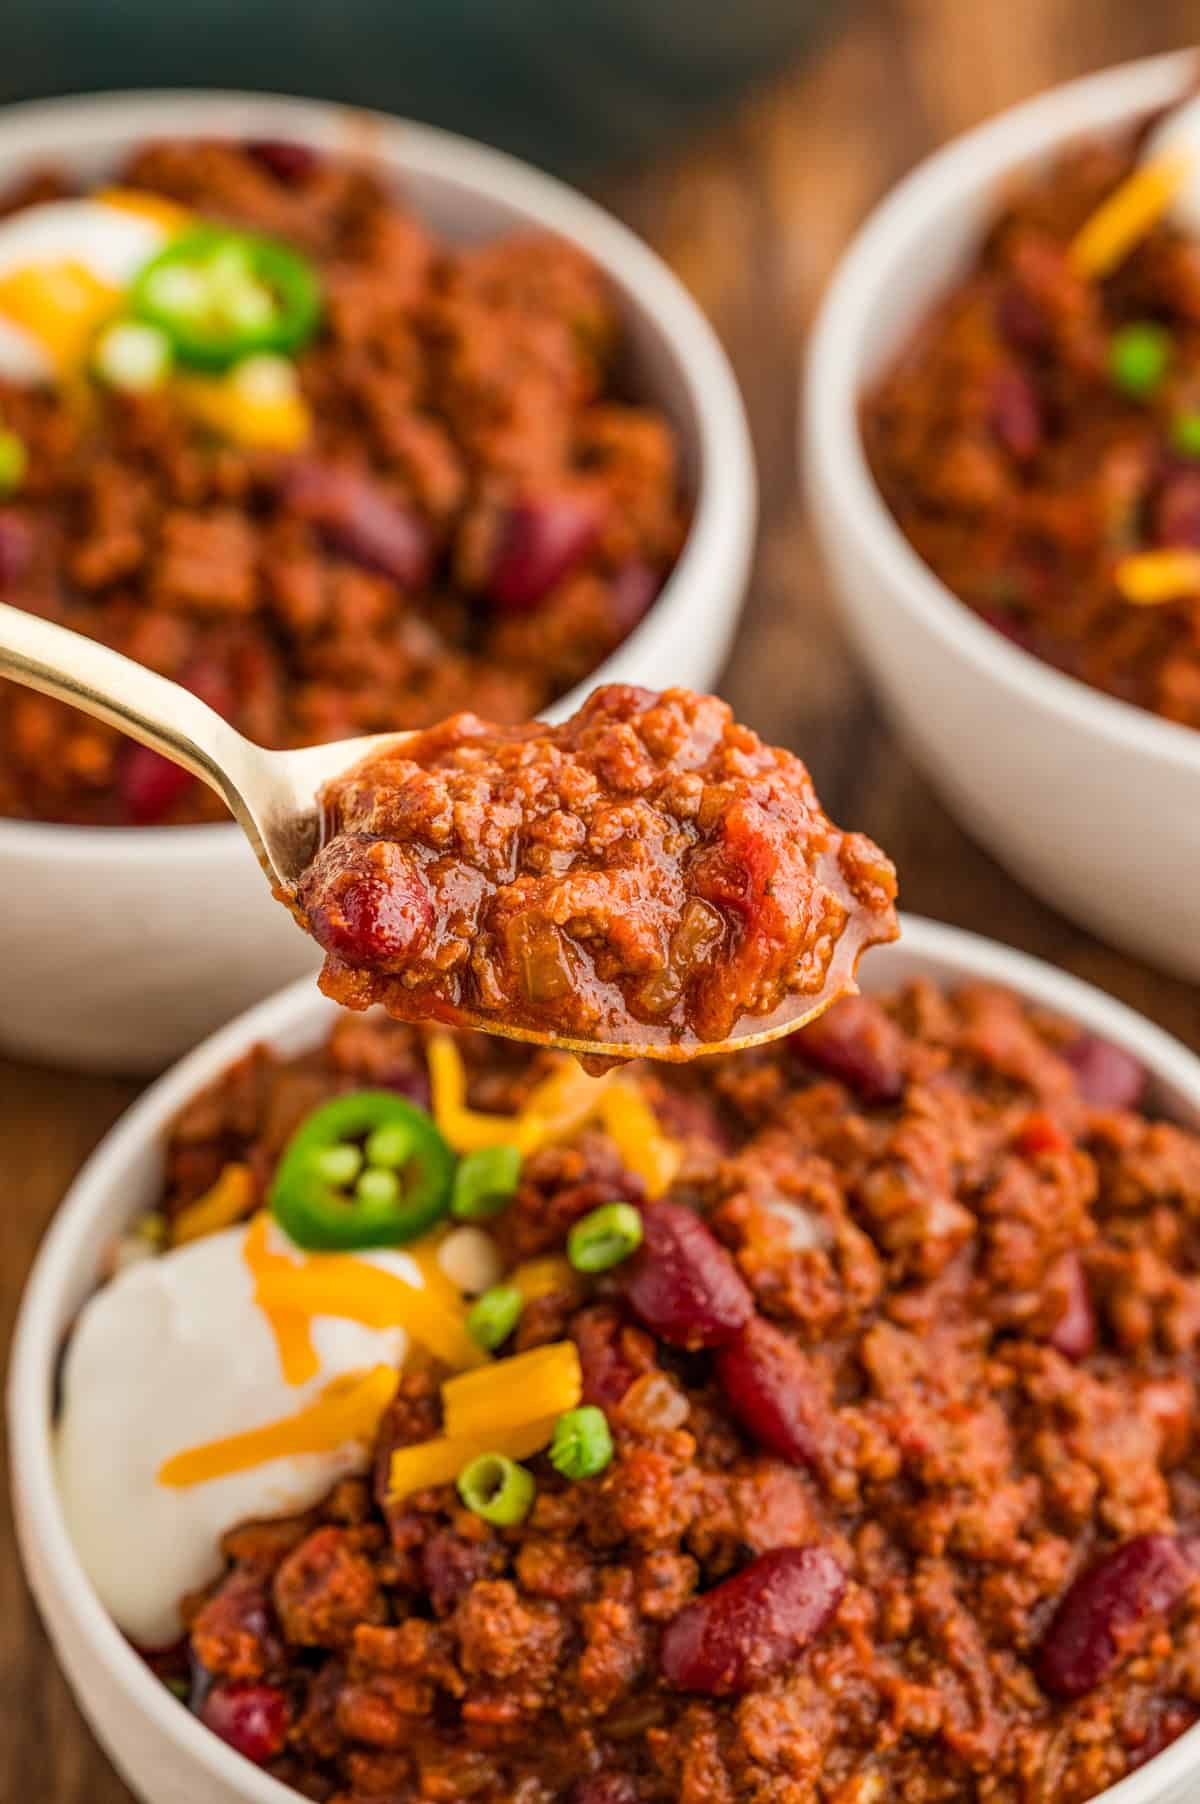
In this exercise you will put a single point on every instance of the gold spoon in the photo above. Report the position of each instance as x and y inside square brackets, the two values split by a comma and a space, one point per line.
[273, 796]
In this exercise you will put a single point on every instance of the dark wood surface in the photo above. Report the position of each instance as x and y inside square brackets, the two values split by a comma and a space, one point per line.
[752, 215]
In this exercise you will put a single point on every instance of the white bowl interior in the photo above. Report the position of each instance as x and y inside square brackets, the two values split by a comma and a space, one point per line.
[123, 1175]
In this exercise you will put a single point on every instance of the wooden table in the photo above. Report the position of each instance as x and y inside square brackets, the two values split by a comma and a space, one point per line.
[752, 216]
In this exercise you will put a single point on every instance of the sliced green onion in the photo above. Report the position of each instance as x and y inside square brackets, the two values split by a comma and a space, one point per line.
[492, 1319]
[484, 1182]
[134, 357]
[390, 1146]
[496, 1488]
[376, 1186]
[14, 462]
[605, 1237]
[1138, 356]
[339, 1165]
[582, 1444]
[1185, 434]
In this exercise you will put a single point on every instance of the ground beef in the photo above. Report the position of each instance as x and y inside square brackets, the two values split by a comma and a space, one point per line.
[481, 517]
[958, 1564]
[1017, 465]
[648, 871]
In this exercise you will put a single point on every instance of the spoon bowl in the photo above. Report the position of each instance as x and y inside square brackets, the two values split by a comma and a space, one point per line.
[275, 797]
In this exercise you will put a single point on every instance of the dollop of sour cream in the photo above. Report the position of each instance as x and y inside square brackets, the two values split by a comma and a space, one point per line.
[175, 1353]
[1178, 136]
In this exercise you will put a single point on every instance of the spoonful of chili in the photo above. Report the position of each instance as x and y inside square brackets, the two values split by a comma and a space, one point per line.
[647, 879]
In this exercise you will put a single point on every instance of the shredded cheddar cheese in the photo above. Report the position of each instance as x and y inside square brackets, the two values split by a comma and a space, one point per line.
[290, 1326]
[645, 1150]
[348, 1409]
[1129, 212]
[542, 1277]
[439, 1462]
[62, 305]
[273, 423]
[513, 1392]
[1149, 578]
[220, 1207]
[340, 1285]
[168, 214]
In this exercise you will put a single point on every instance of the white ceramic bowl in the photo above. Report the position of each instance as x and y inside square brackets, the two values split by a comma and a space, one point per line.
[1093, 803]
[161, 1751]
[124, 946]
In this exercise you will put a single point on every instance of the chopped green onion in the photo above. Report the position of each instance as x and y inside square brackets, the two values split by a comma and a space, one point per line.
[133, 357]
[1138, 356]
[496, 1488]
[14, 462]
[390, 1146]
[340, 1164]
[376, 1186]
[484, 1182]
[1185, 434]
[582, 1445]
[605, 1237]
[492, 1319]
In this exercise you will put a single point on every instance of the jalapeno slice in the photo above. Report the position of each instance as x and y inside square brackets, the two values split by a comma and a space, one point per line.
[221, 295]
[365, 1170]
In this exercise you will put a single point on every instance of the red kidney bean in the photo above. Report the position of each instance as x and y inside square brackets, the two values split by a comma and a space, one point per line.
[359, 519]
[769, 1385]
[366, 900]
[607, 1373]
[287, 161]
[1105, 1075]
[1074, 1333]
[1176, 514]
[1091, 1630]
[1015, 415]
[539, 542]
[149, 785]
[682, 1283]
[855, 1042]
[16, 549]
[749, 1628]
[632, 592]
[252, 1718]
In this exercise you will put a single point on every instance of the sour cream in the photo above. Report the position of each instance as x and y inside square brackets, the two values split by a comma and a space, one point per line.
[173, 1354]
[1178, 135]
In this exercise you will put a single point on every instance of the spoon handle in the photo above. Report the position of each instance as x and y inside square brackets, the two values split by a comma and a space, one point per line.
[88, 675]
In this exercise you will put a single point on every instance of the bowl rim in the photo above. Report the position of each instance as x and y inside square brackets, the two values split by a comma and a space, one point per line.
[295, 1016]
[950, 180]
[721, 535]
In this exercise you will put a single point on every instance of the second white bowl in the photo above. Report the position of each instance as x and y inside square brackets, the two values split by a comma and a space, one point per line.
[1093, 803]
[160, 1750]
[124, 946]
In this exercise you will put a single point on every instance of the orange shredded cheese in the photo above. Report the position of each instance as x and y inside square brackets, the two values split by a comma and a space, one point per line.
[1149, 578]
[1129, 212]
[290, 1326]
[220, 1207]
[62, 305]
[542, 1277]
[276, 423]
[168, 214]
[340, 1285]
[645, 1150]
[348, 1409]
[512, 1392]
[439, 1462]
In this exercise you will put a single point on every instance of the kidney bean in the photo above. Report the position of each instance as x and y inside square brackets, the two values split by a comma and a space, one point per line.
[1105, 1075]
[1074, 1333]
[1093, 1626]
[607, 1372]
[252, 1718]
[539, 542]
[287, 161]
[855, 1042]
[149, 785]
[366, 900]
[356, 517]
[769, 1385]
[682, 1283]
[751, 1626]
[16, 549]
[1014, 414]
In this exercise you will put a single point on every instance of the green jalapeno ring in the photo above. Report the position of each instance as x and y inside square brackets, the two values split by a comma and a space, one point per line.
[323, 1216]
[221, 295]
